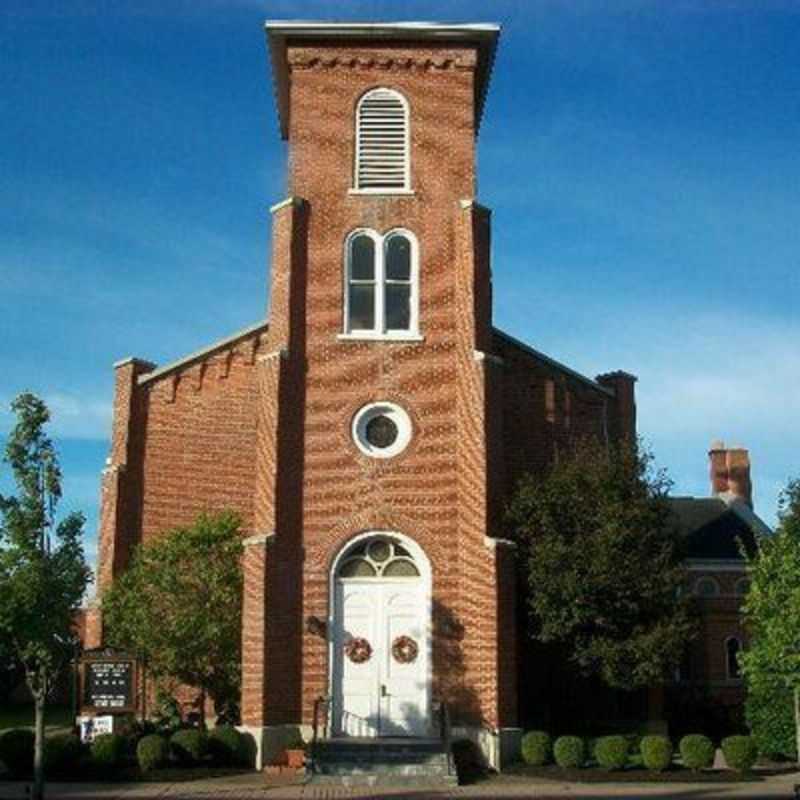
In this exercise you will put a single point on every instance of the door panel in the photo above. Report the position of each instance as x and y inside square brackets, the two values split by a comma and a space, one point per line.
[358, 696]
[381, 696]
[404, 709]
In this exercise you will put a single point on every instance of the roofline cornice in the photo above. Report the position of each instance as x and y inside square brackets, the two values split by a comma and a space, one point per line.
[199, 355]
[606, 390]
[278, 32]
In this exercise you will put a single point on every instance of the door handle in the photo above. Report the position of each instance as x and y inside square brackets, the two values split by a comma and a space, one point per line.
[384, 693]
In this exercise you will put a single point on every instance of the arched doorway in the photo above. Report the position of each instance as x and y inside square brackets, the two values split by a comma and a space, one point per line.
[380, 659]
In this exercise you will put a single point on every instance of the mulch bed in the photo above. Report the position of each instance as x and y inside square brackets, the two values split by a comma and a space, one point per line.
[675, 774]
[132, 774]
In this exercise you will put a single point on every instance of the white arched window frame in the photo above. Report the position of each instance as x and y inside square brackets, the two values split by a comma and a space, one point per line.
[733, 646]
[707, 587]
[382, 163]
[387, 287]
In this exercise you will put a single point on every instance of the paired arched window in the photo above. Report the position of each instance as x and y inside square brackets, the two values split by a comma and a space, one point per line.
[382, 161]
[381, 283]
[732, 648]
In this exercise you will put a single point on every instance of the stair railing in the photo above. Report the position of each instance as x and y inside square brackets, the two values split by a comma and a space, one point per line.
[446, 733]
[321, 704]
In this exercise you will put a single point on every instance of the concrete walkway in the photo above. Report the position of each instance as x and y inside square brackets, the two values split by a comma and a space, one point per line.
[254, 787]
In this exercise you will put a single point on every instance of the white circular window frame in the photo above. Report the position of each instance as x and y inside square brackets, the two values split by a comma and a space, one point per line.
[396, 414]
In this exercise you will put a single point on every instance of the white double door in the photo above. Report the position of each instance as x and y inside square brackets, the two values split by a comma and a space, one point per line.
[381, 695]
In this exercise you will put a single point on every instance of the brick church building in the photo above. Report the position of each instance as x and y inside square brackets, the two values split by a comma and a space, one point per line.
[371, 428]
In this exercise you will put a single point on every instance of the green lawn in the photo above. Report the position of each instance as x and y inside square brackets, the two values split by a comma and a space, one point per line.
[57, 718]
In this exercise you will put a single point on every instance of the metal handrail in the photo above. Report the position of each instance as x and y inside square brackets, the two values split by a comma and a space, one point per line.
[322, 700]
[446, 733]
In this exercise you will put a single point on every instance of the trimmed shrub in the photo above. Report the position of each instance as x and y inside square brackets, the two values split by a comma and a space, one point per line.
[569, 752]
[697, 751]
[16, 751]
[225, 744]
[152, 752]
[108, 750]
[62, 754]
[537, 748]
[611, 752]
[189, 746]
[740, 752]
[656, 752]
[770, 718]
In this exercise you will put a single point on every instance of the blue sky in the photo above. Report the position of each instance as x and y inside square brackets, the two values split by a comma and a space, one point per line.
[641, 159]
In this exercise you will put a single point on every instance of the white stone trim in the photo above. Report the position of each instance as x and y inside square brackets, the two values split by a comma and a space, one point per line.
[381, 192]
[366, 336]
[200, 354]
[258, 538]
[281, 353]
[493, 542]
[397, 414]
[289, 201]
[481, 355]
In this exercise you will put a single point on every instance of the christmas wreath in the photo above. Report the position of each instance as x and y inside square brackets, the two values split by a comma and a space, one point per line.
[405, 650]
[358, 650]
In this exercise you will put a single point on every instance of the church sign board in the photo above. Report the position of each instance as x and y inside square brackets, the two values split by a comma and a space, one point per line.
[108, 679]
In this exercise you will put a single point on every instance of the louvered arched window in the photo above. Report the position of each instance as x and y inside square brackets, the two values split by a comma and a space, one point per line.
[382, 143]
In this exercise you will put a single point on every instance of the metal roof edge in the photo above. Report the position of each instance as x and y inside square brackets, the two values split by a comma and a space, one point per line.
[197, 355]
[553, 363]
[277, 31]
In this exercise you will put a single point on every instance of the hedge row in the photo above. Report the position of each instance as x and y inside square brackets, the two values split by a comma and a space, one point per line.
[612, 752]
[64, 753]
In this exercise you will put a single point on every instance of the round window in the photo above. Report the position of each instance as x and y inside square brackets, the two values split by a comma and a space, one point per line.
[381, 430]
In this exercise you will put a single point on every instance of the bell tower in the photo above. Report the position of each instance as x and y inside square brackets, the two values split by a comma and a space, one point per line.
[378, 421]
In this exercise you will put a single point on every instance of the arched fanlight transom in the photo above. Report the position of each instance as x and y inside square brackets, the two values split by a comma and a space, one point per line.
[379, 557]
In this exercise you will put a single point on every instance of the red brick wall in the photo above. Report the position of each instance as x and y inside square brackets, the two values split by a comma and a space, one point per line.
[262, 425]
[719, 619]
[543, 408]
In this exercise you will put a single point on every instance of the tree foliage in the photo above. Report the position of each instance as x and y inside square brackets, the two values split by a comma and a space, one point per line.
[178, 606]
[772, 608]
[43, 572]
[602, 562]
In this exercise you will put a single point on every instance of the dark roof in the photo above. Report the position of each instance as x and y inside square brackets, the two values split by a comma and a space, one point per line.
[507, 339]
[712, 529]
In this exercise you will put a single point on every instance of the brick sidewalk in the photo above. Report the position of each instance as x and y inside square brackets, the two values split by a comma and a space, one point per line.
[253, 787]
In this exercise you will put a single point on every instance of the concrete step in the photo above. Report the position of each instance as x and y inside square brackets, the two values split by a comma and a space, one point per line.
[416, 781]
[369, 762]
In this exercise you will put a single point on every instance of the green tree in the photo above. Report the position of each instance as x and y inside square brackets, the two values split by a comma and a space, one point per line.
[43, 573]
[178, 606]
[772, 608]
[603, 563]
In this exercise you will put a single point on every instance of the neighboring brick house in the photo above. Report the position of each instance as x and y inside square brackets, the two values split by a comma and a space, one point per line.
[370, 433]
[716, 529]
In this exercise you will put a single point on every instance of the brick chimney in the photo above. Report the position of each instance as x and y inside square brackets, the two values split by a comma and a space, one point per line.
[730, 473]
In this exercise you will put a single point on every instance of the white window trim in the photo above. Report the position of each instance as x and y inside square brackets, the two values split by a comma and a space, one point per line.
[406, 188]
[379, 333]
[398, 415]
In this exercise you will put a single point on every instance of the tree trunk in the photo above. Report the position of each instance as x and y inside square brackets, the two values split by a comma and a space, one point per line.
[797, 721]
[38, 751]
[203, 709]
